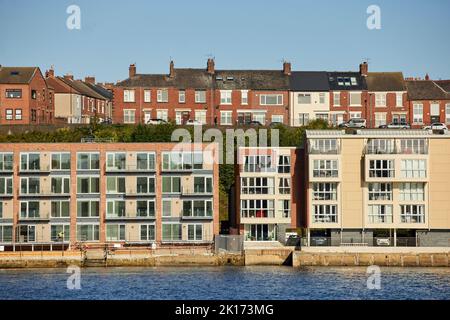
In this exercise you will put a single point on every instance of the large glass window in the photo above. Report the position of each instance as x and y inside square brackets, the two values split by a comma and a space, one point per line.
[147, 232]
[258, 163]
[325, 169]
[88, 232]
[171, 184]
[162, 95]
[323, 146]
[200, 96]
[182, 160]
[197, 208]
[380, 213]
[116, 161]
[5, 233]
[6, 161]
[145, 208]
[171, 231]
[414, 168]
[284, 185]
[284, 208]
[355, 98]
[88, 209]
[271, 99]
[60, 232]
[203, 184]
[380, 191]
[146, 161]
[30, 186]
[195, 232]
[418, 113]
[413, 146]
[61, 161]
[304, 98]
[412, 191]
[115, 209]
[88, 161]
[257, 209]
[6, 186]
[60, 209]
[29, 209]
[166, 208]
[325, 191]
[257, 185]
[412, 213]
[145, 185]
[60, 185]
[380, 146]
[325, 213]
[284, 164]
[381, 168]
[115, 185]
[115, 232]
[30, 161]
[225, 96]
[88, 185]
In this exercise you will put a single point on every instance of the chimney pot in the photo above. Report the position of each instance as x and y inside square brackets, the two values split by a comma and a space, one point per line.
[90, 80]
[132, 70]
[364, 69]
[171, 69]
[211, 66]
[427, 77]
[49, 73]
[287, 68]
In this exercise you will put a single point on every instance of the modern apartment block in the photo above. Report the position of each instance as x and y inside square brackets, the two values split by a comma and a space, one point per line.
[378, 187]
[121, 193]
[267, 193]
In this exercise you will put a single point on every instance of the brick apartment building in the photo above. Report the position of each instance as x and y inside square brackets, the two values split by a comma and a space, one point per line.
[25, 97]
[129, 194]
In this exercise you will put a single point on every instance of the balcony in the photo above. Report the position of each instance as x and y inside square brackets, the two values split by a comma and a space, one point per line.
[128, 168]
[201, 192]
[36, 193]
[36, 169]
[140, 193]
[197, 214]
[34, 216]
[139, 215]
[324, 218]
[257, 214]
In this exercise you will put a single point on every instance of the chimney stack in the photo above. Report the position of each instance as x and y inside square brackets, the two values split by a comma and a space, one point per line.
[364, 69]
[210, 66]
[50, 73]
[132, 70]
[171, 69]
[287, 68]
[68, 76]
[427, 77]
[90, 80]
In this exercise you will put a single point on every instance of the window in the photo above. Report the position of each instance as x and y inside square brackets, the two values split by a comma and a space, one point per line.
[18, 114]
[200, 116]
[277, 118]
[380, 146]
[418, 113]
[162, 114]
[381, 168]
[284, 186]
[303, 119]
[88, 232]
[414, 168]
[197, 208]
[258, 164]
[447, 113]
[6, 161]
[60, 209]
[29, 185]
[257, 185]
[271, 99]
[88, 161]
[325, 169]
[257, 209]
[88, 209]
[147, 232]
[128, 95]
[325, 191]
[200, 96]
[244, 97]
[324, 213]
[284, 208]
[61, 161]
[29, 209]
[399, 99]
[116, 161]
[355, 98]
[14, 93]
[411, 191]
[147, 96]
[30, 161]
[380, 191]
[380, 119]
[336, 99]
[129, 116]
[355, 115]
[225, 96]
[115, 209]
[203, 184]
[167, 208]
[60, 232]
[6, 186]
[284, 164]
[195, 232]
[60, 185]
[380, 213]
[323, 146]
[115, 185]
[171, 231]
[182, 96]
[171, 184]
[145, 208]
[412, 213]
[413, 146]
[87, 185]
[145, 161]
[115, 232]
[226, 118]
[162, 95]
[260, 117]
[182, 160]
[304, 98]
[380, 99]
[321, 98]
[5, 233]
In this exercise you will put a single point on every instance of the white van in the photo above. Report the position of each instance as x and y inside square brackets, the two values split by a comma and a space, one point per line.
[354, 123]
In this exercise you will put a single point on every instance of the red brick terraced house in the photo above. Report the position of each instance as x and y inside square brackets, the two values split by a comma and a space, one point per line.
[25, 97]
[388, 101]
[428, 102]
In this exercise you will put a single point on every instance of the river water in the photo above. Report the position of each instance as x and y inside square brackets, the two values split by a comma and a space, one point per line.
[226, 283]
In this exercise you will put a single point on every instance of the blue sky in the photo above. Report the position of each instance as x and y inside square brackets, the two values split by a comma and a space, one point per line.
[312, 34]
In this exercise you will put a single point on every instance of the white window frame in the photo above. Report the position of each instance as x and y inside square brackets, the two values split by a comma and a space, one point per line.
[90, 154]
[336, 99]
[129, 95]
[226, 97]
[162, 95]
[417, 113]
[147, 96]
[380, 99]
[244, 97]
[129, 116]
[263, 99]
[200, 96]
[351, 94]
[399, 99]
[228, 118]
[182, 96]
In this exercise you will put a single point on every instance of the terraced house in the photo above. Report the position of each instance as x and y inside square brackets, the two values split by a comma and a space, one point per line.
[124, 194]
[378, 188]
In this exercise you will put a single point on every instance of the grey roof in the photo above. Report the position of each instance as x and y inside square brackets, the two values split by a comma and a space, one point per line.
[251, 79]
[82, 88]
[309, 81]
[385, 81]
[105, 93]
[334, 77]
[425, 90]
[444, 84]
[17, 75]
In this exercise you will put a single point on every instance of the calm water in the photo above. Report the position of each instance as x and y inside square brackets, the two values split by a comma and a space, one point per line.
[226, 283]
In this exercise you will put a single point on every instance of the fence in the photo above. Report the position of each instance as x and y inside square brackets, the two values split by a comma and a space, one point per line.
[361, 242]
[229, 243]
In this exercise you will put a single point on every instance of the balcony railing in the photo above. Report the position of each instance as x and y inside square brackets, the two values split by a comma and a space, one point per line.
[129, 168]
[36, 169]
[129, 216]
[313, 150]
[34, 216]
[195, 192]
[325, 218]
[256, 214]
[140, 192]
[197, 214]
[406, 218]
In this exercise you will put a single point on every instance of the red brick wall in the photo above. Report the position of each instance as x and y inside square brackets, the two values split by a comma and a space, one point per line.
[345, 104]
[427, 111]
[390, 109]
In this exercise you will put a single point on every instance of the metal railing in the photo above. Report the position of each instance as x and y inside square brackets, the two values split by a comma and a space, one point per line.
[360, 241]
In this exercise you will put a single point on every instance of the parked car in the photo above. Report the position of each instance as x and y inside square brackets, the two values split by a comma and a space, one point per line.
[276, 124]
[357, 123]
[383, 242]
[395, 125]
[156, 121]
[192, 122]
[436, 126]
[319, 241]
[253, 123]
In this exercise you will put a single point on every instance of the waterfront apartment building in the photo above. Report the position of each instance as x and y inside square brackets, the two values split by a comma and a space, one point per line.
[108, 193]
[378, 187]
[25, 97]
[267, 192]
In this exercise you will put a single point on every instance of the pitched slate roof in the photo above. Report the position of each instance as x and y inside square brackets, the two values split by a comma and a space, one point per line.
[60, 86]
[105, 93]
[251, 79]
[182, 79]
[385, 81]
[17, 75]
[309, 81]
[425, 90]
[444, 84]
[335, 81]
[82, 88]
